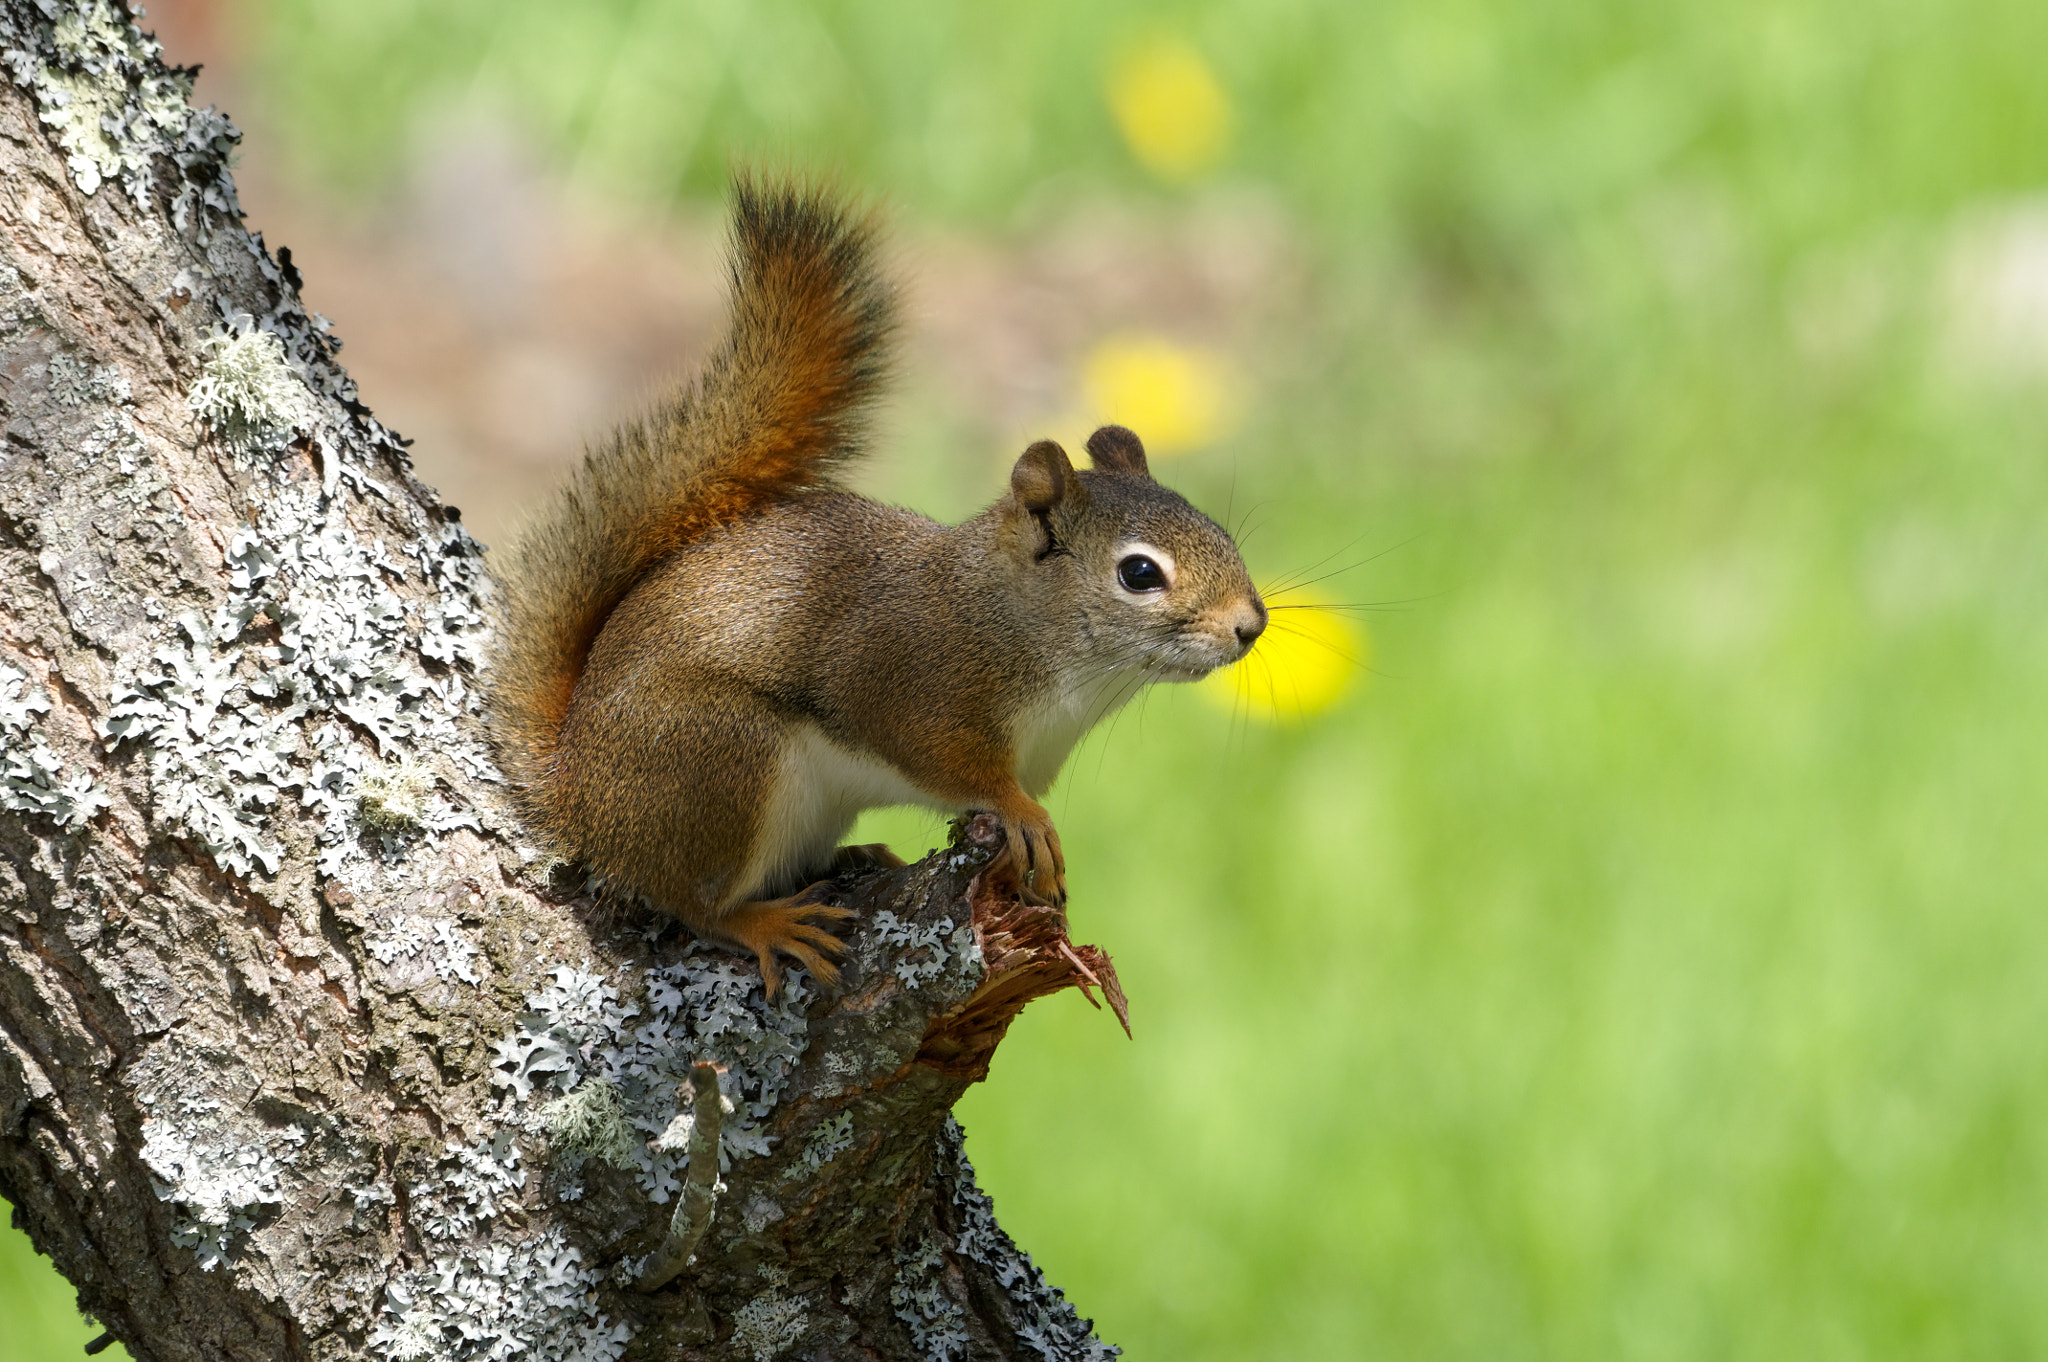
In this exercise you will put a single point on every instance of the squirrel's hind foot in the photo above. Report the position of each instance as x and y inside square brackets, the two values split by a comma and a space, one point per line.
[850, 860]
[773, 925]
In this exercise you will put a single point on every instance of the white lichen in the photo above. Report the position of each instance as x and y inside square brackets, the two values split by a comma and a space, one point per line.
[73, 382]
[217, 762]
[471, 1185]
[217, 1181]
[248, 390]
[489, 1295]
[768, 1325]
[1044, 1320]
[393, 797]
[454, 955]
[371, 1195]
[590, 1123]
[32, 778]
[231, 725]
[401, 940]
[938, 1326]
[226, 724]
[115, 110]
[414, 1336]
[831, 1139]
[494, 1302]
[926, 952]
[676, 1134]
[101, 122]
[707, 1008]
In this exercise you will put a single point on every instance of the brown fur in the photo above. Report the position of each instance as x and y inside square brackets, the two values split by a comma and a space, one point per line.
[713, 659]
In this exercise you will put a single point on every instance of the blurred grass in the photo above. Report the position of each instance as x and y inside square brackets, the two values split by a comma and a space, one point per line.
[1645, 960]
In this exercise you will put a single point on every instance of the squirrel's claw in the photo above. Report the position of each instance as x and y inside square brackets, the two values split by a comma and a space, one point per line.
[1032, 857]
[773, 925]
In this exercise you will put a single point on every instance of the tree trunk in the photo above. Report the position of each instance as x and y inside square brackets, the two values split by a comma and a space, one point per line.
[302, 1053]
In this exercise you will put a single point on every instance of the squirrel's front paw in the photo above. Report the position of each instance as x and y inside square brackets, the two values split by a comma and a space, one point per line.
[1031, 855]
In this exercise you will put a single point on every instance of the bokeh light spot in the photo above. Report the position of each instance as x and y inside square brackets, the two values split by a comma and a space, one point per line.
[1175, 115]
[1177, 397]
[1311, 654]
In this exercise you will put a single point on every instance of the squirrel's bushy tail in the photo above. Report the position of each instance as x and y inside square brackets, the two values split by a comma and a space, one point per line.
[779, 407]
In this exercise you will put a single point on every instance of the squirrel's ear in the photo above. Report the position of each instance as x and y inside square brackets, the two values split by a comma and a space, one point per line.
[1116, 449]
[1043, 478]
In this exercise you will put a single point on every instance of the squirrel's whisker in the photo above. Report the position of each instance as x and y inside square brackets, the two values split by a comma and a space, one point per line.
[1319, 642]
[1288, 582]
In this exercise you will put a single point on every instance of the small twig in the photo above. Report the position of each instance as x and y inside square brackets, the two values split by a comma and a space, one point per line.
[100, 1344]
[699, 1197]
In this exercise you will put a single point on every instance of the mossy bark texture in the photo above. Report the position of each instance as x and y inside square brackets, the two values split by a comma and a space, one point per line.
[302, 1053]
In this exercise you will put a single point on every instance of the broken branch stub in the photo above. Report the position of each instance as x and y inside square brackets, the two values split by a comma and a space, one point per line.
[1027, 955]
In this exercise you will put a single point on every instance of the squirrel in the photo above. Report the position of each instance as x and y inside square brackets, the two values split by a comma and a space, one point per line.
[713, 657]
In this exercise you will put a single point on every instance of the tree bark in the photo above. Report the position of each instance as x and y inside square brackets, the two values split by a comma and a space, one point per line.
[302, 1053]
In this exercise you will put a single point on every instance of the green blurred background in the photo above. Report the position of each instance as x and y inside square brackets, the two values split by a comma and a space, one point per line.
[1638, 951]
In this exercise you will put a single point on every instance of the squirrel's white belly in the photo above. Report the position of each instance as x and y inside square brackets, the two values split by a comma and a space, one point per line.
[820, 788]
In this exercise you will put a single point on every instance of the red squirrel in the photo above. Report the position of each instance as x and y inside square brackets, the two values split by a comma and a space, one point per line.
[713, 657]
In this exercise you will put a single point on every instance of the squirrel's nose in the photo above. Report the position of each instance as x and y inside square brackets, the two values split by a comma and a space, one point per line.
[1251, 622]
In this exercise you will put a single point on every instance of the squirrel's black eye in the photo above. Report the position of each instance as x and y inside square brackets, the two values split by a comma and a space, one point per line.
[1139, 573]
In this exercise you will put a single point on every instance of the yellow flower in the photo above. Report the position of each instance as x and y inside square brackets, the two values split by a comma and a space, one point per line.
[1304, 663]
[1174, 113]
[1177, 397]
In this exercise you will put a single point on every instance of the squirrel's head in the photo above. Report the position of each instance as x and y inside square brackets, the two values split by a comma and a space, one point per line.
[1152, 584]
